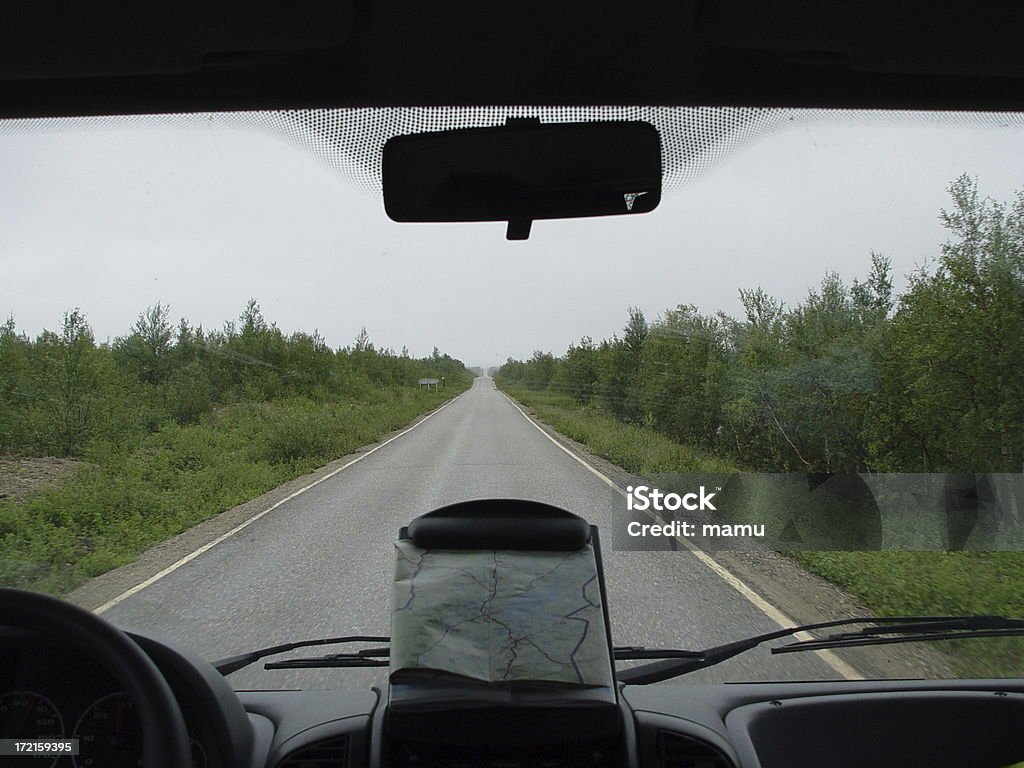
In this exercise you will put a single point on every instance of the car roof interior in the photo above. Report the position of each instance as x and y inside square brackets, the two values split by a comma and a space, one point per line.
[161, 56]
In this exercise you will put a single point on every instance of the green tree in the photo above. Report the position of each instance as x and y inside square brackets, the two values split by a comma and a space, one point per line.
[680, 383]
[578, 373]
[619, 362]
[68, 386]
[953, 393]
[146, 351]
[15, 386]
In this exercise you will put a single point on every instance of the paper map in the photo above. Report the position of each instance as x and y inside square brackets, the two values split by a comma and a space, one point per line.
[500, 616]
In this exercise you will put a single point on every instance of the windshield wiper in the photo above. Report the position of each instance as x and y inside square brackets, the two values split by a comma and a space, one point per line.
[367, 657]
[887, 630]
[235, 663]
[378, 657]
[673, 663]
[966, 627]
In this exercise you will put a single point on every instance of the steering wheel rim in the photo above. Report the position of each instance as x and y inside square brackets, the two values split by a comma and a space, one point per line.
[165, 741]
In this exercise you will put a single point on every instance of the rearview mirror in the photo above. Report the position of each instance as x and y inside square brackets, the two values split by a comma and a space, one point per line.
[523, 171]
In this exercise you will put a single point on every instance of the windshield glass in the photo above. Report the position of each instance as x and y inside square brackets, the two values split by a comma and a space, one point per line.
[227, 380]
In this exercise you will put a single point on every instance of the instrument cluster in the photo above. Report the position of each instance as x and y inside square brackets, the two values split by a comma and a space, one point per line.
[73, 711]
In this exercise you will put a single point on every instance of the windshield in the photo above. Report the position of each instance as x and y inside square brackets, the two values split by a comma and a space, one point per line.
[227, 380]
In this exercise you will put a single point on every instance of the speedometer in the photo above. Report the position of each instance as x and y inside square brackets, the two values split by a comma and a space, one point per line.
[109, 734]
[28, 715]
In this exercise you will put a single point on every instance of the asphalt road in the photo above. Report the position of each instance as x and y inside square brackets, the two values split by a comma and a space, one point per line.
[321, 563]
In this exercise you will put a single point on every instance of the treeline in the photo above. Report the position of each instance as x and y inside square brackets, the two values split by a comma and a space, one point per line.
[62, 392]
[853, 378]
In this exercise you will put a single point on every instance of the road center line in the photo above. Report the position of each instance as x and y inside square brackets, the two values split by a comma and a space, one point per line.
[211, 544]
[769, 610]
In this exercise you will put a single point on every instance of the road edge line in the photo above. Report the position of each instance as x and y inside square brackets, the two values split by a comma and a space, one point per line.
[249, 521]
[772, 612]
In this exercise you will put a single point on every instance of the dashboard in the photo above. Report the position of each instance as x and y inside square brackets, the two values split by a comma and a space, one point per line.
[48, 690]
[37, 704]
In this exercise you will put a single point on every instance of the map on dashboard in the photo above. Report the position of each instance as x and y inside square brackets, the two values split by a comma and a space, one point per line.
[500, 616]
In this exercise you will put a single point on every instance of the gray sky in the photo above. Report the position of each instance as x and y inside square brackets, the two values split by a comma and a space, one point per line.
[202, 220]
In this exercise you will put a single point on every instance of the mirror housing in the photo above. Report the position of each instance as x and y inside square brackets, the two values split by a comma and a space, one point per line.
[522, 171]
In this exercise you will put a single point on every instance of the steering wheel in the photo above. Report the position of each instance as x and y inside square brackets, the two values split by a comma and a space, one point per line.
[164, 737]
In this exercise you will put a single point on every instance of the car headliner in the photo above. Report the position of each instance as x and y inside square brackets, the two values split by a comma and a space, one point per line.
[106, 57]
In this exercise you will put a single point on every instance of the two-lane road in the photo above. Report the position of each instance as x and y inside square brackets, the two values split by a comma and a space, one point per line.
[321, 563]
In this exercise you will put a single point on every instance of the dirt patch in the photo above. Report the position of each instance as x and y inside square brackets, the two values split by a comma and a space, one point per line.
[21, 477]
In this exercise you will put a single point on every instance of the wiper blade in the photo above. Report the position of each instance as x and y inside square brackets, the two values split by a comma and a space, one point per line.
[673, 662]
[888, 629]
[374, 657]
[367, 657]
[235, 663]
[625, 652]
[968, 627]
[378, 657]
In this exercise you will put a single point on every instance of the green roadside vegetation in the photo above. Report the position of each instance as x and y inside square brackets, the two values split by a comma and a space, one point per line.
[852, 379]
[636, 448]
[891, 583]
[174, 425]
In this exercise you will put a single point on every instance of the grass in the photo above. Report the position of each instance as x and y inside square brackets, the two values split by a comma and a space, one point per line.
[891, 583]
[938, 583]
[636, 449]
[127, 500]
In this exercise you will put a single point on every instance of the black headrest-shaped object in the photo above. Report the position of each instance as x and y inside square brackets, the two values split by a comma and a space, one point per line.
[499, 524]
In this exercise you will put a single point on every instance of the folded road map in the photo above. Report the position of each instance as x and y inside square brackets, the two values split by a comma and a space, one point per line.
[499, 617]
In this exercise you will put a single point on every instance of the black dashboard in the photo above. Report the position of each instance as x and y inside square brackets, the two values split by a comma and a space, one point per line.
[47, 689]
[50, 690]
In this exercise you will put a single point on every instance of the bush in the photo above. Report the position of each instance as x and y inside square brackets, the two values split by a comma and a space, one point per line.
[139, 494]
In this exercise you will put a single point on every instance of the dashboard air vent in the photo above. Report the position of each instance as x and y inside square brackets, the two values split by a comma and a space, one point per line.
[678, 751]
[331, 753]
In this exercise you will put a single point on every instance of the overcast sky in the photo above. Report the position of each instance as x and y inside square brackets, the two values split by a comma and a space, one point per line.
[112, 222]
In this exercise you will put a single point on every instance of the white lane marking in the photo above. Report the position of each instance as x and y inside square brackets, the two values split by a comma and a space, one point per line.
[211, 544]
[769, 610]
